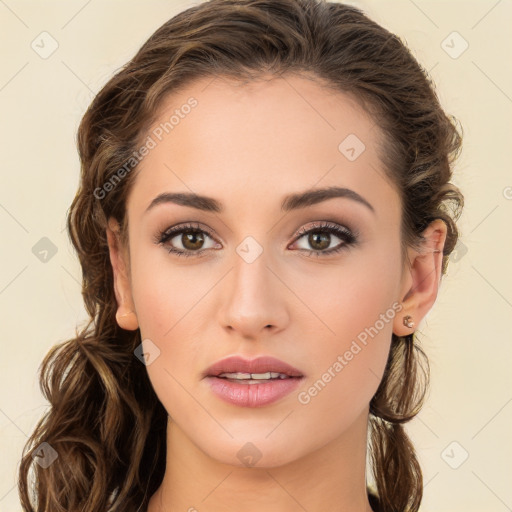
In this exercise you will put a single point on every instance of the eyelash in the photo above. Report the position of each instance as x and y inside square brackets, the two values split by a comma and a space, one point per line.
[349, 238]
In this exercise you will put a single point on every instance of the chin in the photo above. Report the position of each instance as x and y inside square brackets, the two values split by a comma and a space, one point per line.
[258, 453]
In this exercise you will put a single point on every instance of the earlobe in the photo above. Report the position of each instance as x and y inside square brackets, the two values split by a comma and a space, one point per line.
[423, 279]
[127, 320]
[125, 315]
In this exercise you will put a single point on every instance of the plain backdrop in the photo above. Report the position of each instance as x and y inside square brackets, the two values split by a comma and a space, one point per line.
[57, 54]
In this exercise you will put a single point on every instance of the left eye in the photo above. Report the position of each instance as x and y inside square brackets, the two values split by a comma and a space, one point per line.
[320, 236]
[319, 240]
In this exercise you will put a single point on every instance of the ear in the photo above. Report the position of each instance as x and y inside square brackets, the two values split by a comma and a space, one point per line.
[126, 316]
[421, 279]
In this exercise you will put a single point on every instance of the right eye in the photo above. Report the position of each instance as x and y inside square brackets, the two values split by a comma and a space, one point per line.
[190, 240]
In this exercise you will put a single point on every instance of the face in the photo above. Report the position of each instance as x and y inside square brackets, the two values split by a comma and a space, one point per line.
[316, 284]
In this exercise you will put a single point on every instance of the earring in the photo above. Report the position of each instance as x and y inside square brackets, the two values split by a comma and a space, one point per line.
[408, 321]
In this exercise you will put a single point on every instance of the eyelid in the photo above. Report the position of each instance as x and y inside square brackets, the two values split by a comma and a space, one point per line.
[325, 224]
[185, 226]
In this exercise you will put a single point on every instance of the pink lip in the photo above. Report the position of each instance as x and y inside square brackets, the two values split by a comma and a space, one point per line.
[259, 365]
[252, 395]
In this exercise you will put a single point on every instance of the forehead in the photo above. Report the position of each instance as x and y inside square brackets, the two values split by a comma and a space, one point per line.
[250, 144]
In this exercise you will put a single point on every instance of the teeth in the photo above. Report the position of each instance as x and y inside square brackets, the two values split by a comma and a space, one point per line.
[268, 375]
[254, 376]
[235, 375]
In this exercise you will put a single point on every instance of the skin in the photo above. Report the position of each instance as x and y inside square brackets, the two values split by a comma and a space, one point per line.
[248, 146]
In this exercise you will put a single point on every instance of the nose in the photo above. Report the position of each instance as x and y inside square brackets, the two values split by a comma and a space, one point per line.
[253, 300]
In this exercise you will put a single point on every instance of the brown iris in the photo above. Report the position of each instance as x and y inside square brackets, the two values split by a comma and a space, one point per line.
[192, 240]
[322, 239]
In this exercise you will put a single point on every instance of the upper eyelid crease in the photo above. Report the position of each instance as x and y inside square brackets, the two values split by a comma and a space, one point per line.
[290, 202]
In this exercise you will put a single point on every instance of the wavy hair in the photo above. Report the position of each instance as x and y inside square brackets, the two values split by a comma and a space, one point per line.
[105, 421]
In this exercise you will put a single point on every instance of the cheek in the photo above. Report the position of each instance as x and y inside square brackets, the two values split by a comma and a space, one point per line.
[350, 295]
[346, 369]
[167, 301]
[354, 308]
[166, 294]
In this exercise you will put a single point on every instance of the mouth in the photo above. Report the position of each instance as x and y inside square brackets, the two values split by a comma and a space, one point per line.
[261, 368]
[252, 383]
[253, 378]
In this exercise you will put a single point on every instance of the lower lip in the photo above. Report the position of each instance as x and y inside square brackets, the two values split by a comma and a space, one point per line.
[252, 395]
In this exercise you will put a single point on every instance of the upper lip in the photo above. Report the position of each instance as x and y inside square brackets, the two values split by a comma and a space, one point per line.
[261, 364]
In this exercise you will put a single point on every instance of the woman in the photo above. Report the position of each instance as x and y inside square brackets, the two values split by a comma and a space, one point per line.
[263, 219]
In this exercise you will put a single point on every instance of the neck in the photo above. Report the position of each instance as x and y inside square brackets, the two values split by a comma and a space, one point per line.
[330, 479]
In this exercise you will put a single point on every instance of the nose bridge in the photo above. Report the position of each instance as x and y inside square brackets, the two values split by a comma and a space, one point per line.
[250, 275]
[251, 282]
[252, 295]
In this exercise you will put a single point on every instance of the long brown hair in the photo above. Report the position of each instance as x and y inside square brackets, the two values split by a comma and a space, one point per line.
[105, 423]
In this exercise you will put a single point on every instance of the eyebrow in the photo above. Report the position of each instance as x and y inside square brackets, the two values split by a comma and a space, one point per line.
[290, 202]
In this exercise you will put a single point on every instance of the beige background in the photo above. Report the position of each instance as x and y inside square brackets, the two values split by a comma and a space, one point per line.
[467, 334]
